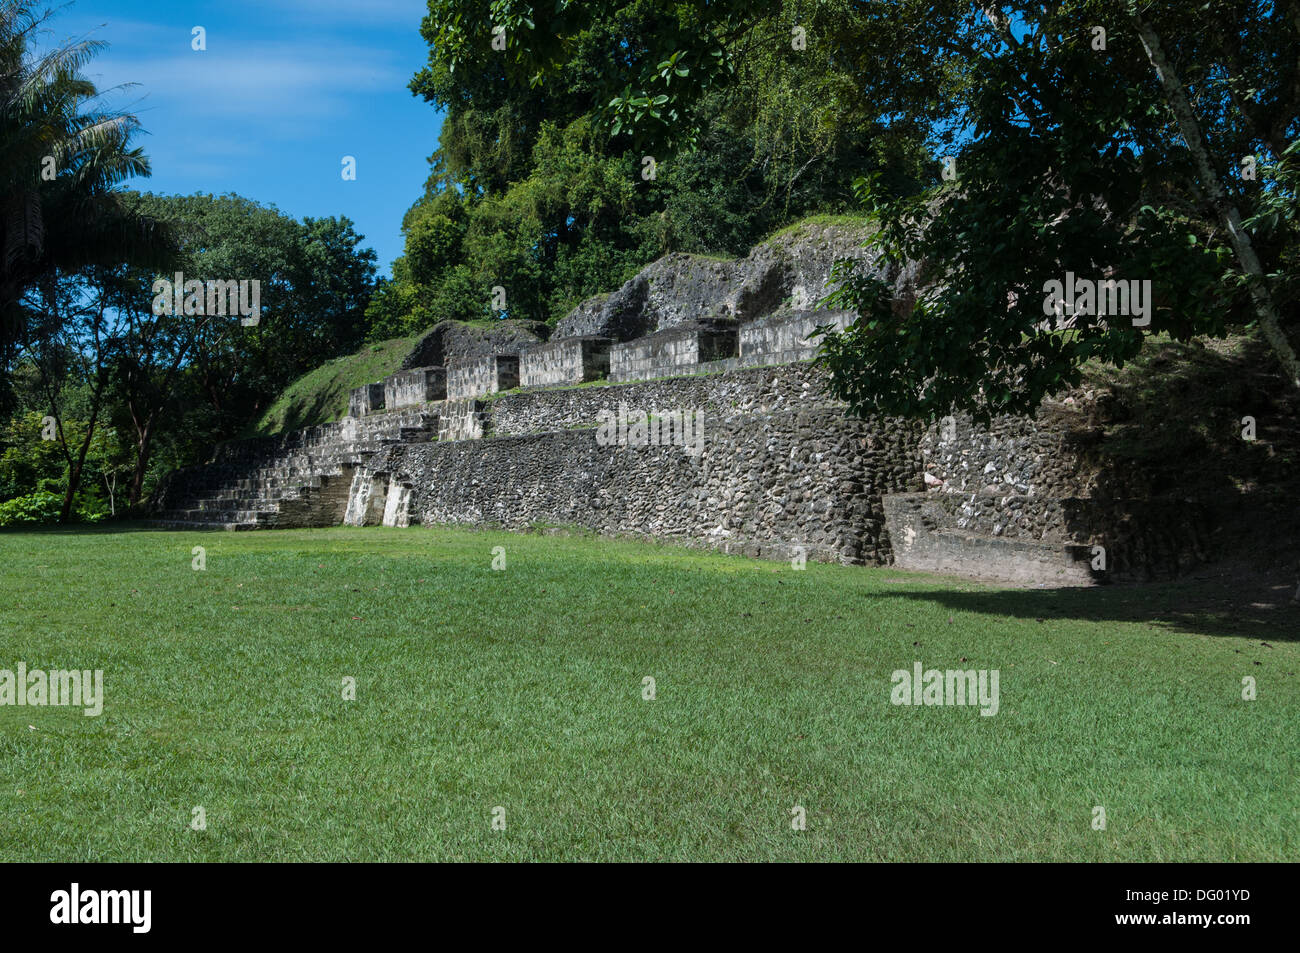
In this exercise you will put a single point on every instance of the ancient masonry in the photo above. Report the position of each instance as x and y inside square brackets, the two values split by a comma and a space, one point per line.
[584, 428]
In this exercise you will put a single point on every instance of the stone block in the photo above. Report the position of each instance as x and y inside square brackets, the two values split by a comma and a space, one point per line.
[417, 386]
[485, 375]
[782, 338]
[566, 361]
[675, 351]
[366, 400]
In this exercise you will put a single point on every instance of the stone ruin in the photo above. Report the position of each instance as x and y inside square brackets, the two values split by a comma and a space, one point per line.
[502, 428]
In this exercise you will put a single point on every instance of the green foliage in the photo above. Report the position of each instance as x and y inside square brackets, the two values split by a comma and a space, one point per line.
[78, 256]
[39, 507]
[1076, 165]
[45, 507]
[27, 461]
[537, 185]
[315, 284]
[434, 243]
[31, 464]
[1275, 223]
[62, 158]
[172, 385]
[198, 380]
[392, 307]
[1069, 159]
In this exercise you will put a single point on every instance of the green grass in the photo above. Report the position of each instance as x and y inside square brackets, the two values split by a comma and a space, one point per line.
[523, 689]
[321, 396]
[844, 221]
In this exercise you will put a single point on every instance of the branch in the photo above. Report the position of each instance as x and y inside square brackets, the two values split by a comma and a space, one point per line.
[1228, 214]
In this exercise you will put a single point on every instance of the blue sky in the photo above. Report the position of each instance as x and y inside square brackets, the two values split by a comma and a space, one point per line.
[285, 89]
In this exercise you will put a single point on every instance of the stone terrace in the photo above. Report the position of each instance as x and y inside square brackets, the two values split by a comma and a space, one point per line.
[506, 429]
[296, 479]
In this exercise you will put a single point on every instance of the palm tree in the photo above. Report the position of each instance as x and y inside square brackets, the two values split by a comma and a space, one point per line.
[60, 213]
[60, 162]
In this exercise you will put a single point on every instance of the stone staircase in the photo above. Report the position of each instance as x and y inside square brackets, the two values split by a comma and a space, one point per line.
[294, 480]
[933, 533]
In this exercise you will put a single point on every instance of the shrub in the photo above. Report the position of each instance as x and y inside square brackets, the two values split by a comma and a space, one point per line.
[39, 507]
[44, 507]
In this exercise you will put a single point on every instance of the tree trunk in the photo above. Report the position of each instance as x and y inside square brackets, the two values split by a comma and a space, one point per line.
[75, 470]
[143, 447]
[1228, 214]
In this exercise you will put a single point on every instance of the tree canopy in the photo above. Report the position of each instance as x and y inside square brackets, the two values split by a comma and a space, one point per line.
[1123, 142]
[541, 187]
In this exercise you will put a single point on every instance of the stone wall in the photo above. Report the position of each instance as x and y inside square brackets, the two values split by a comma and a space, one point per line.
[754, 391]
[927, 536]
[675, 351]
[449, 343]
[1012, 455]
[783, 337]
[791, 270]
[417, 386]
[366, 399]
[567, 361]
[482, 376]
[683, 289]
[765, 484]
[782, 468]
[1021, 538]
[462, 420]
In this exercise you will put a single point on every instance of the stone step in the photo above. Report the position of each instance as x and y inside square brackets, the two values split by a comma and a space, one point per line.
[415, 435]
[266, 484]
[221, 516]
[269, 494]
[246, 484]
[924, 538]
[199, 524]
[210, 505]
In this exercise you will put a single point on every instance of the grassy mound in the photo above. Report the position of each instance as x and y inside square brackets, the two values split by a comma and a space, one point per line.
[854, 221]
[321, 396]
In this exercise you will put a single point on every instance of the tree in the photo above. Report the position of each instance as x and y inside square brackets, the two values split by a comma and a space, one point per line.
[59, 164]
[73, 343]
[1225, 209]
[315, 283]
[540, 183]
[34, 469]
[332, 280]
[1082, 159]
[149, 361]
[1071, 154]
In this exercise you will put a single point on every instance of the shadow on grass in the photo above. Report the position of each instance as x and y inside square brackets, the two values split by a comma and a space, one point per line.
[1228, 607]
[1226, 601]
[106, 528]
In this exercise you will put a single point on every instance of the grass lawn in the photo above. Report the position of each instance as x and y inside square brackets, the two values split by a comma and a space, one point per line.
[522, 689]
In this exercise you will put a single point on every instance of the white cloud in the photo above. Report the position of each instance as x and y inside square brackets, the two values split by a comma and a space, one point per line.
[260, 83]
